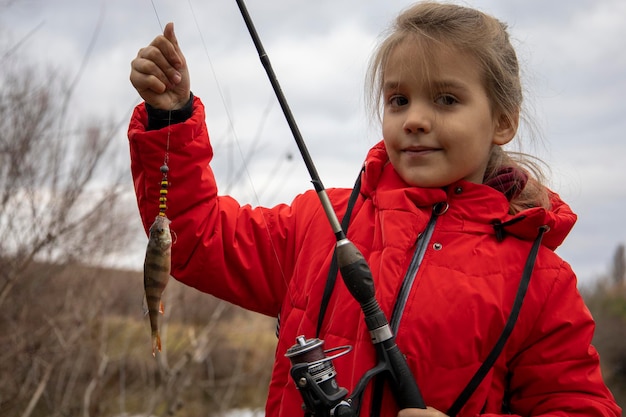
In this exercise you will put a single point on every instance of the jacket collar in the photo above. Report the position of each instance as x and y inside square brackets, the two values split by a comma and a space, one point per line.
[481, 207]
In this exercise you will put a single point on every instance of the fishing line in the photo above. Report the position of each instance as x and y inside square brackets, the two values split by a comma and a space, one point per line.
[156, 14]
[295, 131]
[235, 178]
[285, 157]
[237, 142]
[234, 132]
[164, 168]
[229, 116]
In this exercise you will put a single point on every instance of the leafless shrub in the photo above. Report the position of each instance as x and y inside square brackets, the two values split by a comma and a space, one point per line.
[607, 303]
[74, 340]
[71, 348]
[54, 202]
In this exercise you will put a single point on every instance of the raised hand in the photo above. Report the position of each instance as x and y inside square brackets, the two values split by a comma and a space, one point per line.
[159, 72]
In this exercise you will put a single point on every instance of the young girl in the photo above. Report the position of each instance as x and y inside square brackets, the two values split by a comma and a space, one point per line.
[444, 217]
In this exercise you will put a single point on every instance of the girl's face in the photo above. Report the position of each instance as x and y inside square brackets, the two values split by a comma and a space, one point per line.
[438, 128]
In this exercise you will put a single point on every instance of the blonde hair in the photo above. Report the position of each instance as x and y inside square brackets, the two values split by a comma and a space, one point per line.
[487, 40]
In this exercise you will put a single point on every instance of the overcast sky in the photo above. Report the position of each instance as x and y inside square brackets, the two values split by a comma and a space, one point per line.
[571, 54]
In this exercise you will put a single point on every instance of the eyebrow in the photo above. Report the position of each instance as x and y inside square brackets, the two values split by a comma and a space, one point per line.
[391, 85]
[436, 85]
[449, 84]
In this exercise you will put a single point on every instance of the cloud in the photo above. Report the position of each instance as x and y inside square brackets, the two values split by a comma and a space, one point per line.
[571, 55]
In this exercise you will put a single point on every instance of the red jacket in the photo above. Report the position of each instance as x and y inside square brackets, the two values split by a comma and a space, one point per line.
[276, 260]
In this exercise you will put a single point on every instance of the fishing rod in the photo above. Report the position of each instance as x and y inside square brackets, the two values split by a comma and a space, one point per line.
[358, 279]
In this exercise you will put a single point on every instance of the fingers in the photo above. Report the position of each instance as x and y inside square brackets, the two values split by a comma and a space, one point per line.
[169, 34]
[169, 46]
[159, 71]
[151, 69]
[418, 412]
[161, 59]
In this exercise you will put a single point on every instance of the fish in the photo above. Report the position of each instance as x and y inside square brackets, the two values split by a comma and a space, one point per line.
[156, 273]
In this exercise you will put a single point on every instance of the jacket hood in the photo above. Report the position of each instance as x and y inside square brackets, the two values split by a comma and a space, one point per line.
[383, 185]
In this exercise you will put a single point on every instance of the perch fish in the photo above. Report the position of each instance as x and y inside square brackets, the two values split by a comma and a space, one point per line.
[156, 273]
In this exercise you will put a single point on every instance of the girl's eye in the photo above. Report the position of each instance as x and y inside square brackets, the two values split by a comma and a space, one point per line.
[446, 100]
[398, 101]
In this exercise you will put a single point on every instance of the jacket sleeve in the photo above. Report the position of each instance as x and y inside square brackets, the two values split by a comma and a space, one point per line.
[234, 252]
[557, 371]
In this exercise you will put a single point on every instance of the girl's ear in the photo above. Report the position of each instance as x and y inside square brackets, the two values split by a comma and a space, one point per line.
[505, 129]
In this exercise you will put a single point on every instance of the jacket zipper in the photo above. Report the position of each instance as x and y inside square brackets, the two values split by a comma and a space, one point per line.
[407, 283]
[422, 243]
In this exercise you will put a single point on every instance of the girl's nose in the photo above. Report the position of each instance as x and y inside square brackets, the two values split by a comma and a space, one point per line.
[418, 119]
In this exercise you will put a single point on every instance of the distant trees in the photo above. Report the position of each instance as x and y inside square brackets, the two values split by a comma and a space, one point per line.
[618, 267]
[61, 204]
[607, 303]
[73, 339]
[60, 190]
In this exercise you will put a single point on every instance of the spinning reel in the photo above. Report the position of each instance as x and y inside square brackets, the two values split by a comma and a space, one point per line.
[314, 375]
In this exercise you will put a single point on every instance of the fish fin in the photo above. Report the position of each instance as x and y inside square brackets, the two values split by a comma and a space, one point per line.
[144, 306]
[156, 343]
[161, 308]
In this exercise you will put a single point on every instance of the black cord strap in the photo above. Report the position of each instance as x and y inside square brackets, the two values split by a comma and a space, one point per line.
[332, 272]
[508, 328]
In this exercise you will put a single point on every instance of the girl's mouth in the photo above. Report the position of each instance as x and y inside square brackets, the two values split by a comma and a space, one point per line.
[419, 150]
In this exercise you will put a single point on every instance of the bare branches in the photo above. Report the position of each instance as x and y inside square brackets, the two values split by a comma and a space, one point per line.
[87, 402]
[37, 394]
[73, 339]
[59, 189]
